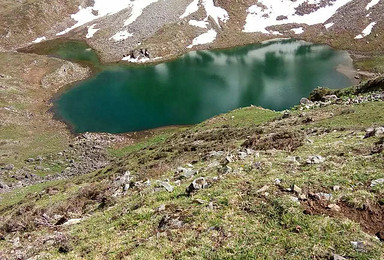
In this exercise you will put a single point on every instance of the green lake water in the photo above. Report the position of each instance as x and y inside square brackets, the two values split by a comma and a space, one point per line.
[200, 85]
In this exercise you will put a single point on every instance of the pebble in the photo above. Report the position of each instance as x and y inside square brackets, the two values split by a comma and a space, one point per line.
[377, 182]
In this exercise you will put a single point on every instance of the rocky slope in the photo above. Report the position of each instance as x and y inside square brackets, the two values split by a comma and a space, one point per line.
[167, 28]
[257, 184]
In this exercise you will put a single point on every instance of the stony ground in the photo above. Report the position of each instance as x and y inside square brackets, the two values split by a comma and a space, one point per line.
[253, 184]
[161, 30]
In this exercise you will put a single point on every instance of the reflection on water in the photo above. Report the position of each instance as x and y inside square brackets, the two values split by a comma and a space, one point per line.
[200, 85]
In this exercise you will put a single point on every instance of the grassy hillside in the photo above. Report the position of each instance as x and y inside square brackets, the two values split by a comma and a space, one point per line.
[268, 185]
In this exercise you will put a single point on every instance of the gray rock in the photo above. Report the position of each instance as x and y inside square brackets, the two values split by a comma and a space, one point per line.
[72, 221]
[377, 182]
[336, 188]
[315, 159]
[30, 160]
[263, 189]
[330, 97]
[197, 184]
[379, 131]
[168, 222]
[296, 189]
[9, 167]
[3, 185]
[242, 155]
[168, 187]
[323, 196]
[200, 201]
[216, 153]
[334, 207]
[161, 208]
[358, 245]
[294, 199]
[338, 257]
[305, 101]
[186, 172]
[124, 179]
[39, 168]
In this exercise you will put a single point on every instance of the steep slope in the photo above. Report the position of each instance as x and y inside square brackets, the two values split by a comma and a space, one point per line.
[166, 28]
[257, 184]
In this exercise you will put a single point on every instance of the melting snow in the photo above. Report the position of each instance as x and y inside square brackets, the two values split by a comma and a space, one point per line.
[122, 35]
[108, 7]
[142, 60]
[191, 8]
[299, 30]
[40, 39]
[204, 38]
[101, 8]
[328, 25]
[201, 24]
[372, 4]
[217, 13]
[260, 17]
[367, 31]
[137, 9]
[91, 31]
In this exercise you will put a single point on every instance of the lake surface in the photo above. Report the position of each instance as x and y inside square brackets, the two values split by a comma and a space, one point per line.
[200, 85]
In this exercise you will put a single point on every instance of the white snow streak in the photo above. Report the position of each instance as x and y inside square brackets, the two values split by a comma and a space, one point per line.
[40, 39]
[137, 9]
[91, 31]
[259, 18]
[367, 31]
[217, 13]
[101, 8]
[191, 8]
[204, 38]
[372, 4]
[142, 60]
[122, 35]
[328, 25]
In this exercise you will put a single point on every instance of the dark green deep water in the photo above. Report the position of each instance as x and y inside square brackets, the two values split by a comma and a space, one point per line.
[200, 85]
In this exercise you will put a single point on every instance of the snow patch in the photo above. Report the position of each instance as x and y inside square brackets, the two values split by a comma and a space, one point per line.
[137, 8]
[122, 35]
[191, 8]
[372, 4]
[276, 12]
[40, 39]
[201, 24]
[328, 25]
[367, 31]
[276, 33]
[142, 60]
[91, 31]
[298, 30]
[101, 8]
[217, 13]
[204, 38]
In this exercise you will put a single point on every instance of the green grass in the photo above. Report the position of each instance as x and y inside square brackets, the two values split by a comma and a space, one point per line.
[160, 136]
[243, 224]
[375, 64]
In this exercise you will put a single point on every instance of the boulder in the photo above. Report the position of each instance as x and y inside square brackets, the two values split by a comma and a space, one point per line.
[197, 184]
[315, 159]
[166, 185]
[377, 182]
[186, 172]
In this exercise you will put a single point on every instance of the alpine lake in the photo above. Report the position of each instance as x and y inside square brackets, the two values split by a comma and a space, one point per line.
[196, 86]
